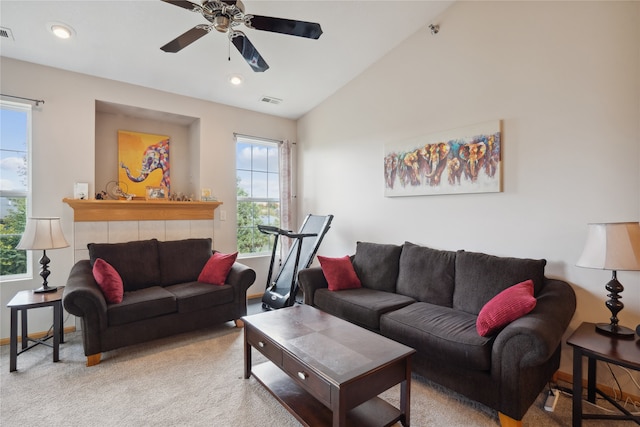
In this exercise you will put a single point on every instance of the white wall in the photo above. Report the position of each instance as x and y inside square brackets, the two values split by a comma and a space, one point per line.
[64, 134]
[180, 152]
[565, 79]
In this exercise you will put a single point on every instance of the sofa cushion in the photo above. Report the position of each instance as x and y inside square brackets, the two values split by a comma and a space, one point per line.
[141, 304]
[377, 265]
[182, 260]
[360, 306]
[136, 262]
[109, 281]
[480, 277]
[440, 333]
[217, 268]
[339, 273]
[504, 308]
[194, 296]
[426, 274]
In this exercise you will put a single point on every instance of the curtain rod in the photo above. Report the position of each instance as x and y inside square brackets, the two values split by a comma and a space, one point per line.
[37, 101]
[259, 138]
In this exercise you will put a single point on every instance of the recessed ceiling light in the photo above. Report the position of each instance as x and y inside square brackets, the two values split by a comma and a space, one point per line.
[236, 79]
[60, 30]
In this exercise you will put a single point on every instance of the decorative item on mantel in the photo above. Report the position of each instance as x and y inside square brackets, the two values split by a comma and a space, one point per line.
[207, 196]
[156, 193]
[81, 190]
[615, 247]
[117, 190]
[180, 197]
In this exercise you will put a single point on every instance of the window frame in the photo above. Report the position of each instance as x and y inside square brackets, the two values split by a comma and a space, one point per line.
[257, 142]
[26, 194]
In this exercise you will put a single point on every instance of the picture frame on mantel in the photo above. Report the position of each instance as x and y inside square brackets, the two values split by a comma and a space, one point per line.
[463, 160]
[156, 193]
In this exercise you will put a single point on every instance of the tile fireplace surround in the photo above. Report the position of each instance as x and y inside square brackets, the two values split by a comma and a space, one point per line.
[117, 221]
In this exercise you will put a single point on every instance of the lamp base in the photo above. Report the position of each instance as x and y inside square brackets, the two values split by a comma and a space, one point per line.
[44, 289]
[615, 330]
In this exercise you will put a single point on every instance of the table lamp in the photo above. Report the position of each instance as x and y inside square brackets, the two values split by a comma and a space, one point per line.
[615, 247]
[43, 233]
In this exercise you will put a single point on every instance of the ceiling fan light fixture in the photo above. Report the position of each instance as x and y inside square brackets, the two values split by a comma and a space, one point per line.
[61, 31]
[221, 23]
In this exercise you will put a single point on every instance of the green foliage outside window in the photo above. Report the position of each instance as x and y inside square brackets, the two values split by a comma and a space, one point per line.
[250, 215]
[13, 261]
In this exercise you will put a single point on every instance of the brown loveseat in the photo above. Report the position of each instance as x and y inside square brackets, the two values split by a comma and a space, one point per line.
[430, 299]
[162, 296]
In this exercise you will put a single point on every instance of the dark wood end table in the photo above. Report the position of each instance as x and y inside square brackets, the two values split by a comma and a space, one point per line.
[587, 342]
[326, 371]
[23, 301]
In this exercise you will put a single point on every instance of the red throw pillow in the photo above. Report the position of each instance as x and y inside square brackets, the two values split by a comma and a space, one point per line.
[509, 305]
[108, 280]
[215, 271]
[339, 273]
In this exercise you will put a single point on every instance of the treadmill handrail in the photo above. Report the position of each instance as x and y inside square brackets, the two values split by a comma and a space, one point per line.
[269, 229]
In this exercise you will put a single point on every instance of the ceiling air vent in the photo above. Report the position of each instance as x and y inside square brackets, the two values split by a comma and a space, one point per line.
[5, 33]
[271, 100]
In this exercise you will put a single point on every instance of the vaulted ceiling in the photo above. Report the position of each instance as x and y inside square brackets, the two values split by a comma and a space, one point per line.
[121, 40]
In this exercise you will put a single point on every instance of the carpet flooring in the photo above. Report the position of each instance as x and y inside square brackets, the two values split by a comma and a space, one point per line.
[194, 379]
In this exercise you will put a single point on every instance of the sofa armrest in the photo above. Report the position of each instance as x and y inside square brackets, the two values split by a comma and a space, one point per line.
[534, 338]
[311, 279]
[83, 298]
[240, 277]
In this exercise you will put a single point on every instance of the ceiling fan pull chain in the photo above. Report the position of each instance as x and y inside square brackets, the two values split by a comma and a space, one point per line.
[229, 47]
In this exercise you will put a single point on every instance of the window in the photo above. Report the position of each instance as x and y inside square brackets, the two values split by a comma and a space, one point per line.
[15, 144]
[258, 191]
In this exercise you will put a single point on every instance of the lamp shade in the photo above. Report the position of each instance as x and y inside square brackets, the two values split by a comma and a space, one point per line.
[612, 246]
[42, 233]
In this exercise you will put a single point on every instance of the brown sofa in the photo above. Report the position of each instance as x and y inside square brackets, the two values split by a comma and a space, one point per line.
[430, 299]
[162, 296]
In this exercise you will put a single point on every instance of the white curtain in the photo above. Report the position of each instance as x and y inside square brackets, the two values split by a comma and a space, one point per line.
[286, 200]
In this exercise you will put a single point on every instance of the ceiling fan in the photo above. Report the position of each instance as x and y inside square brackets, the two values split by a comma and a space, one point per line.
[224, 15]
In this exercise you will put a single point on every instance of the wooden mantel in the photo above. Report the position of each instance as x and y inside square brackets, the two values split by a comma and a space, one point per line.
[139, 210]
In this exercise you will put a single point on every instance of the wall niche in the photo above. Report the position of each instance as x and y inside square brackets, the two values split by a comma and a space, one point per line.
[183, 131]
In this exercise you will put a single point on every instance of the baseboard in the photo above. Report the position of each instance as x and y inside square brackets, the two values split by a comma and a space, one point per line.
[563, 376]
[36, 335]
[254, 296]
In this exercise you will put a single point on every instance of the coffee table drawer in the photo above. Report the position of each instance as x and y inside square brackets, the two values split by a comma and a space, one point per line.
[265, 346]
[314, 384]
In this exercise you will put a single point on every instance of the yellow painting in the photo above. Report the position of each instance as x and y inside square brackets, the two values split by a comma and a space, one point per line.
[143, 161]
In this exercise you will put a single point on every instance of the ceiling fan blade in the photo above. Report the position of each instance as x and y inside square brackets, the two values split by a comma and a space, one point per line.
[185, 39]
[185, 5]
[248, 52]
[309, 30]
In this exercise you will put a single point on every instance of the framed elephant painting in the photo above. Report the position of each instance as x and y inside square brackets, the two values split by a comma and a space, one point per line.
[464, 160]
[143, 161]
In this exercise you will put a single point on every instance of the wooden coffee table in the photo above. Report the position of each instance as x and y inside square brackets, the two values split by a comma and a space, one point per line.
[327, 371]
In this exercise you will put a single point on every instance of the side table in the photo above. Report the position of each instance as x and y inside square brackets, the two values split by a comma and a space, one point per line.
[586, 341]
[23, 301]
